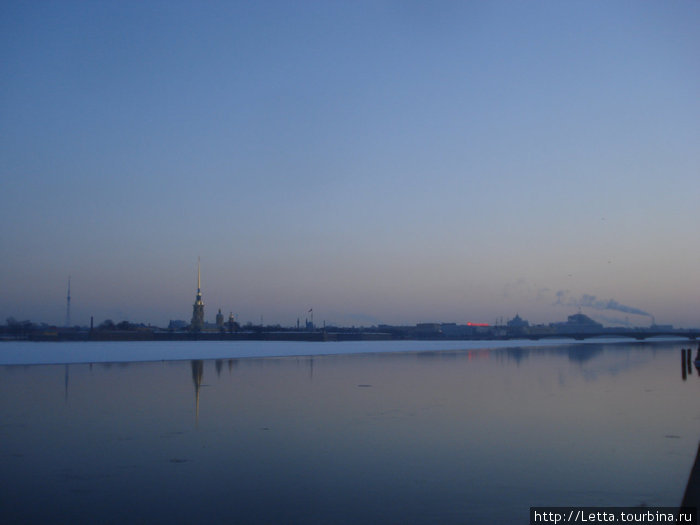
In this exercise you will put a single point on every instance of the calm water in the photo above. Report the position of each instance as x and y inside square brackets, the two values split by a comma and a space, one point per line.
[473, 436]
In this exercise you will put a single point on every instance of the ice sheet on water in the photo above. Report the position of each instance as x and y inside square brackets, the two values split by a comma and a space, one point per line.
[29, 353]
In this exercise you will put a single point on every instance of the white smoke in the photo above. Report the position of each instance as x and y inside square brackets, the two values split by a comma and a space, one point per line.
[564, 298]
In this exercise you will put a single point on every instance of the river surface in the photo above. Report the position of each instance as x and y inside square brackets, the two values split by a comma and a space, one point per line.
[474, 435]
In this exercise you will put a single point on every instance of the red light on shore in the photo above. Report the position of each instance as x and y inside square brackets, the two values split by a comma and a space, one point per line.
[478, 324]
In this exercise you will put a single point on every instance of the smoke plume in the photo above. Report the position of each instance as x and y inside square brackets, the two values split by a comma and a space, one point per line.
[591, 301]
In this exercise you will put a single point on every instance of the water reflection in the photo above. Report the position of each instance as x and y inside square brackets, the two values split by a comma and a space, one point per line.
[585, 353]
[66, 377]
[420, 437]
[197, 374]
[518, 354]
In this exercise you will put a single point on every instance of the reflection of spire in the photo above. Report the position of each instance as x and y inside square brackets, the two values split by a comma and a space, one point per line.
[66, 384]
[197, 373]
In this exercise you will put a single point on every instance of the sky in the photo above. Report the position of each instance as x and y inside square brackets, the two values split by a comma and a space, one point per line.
[373, 161]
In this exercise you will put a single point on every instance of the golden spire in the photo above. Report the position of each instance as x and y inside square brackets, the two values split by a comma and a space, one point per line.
[197, 323]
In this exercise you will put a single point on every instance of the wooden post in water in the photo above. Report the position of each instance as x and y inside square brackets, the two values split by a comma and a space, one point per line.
[683, 369]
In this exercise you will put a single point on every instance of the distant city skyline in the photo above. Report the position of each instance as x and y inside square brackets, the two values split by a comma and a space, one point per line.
[600, 310]
[379, 162]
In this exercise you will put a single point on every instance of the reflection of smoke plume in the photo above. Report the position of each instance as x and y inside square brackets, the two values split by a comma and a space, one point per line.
[591, 301]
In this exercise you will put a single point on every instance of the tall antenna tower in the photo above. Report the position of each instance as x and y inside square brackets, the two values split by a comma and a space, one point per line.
[68, 304]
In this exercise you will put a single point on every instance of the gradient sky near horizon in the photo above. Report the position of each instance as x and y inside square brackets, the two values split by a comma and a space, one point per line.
[377, 161]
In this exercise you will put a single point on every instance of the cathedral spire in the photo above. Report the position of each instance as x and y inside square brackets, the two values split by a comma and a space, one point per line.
[197, 323]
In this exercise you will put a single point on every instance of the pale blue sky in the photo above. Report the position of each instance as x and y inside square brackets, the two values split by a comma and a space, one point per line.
[393, 162]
